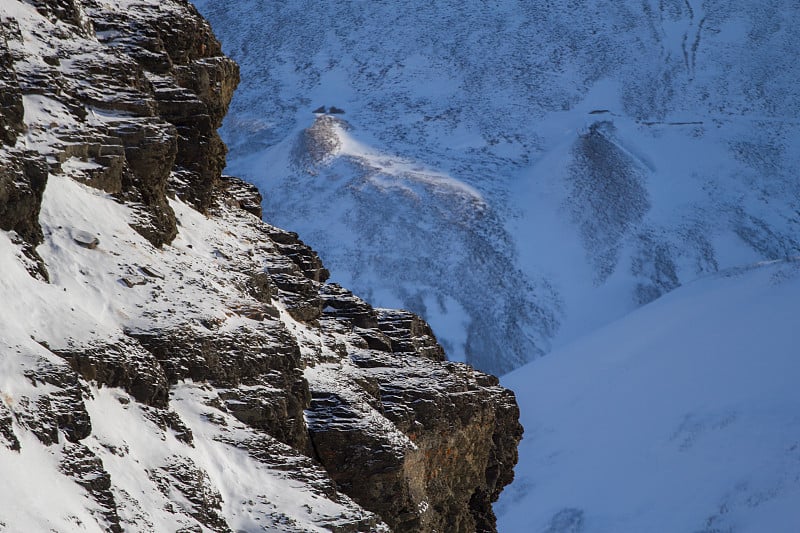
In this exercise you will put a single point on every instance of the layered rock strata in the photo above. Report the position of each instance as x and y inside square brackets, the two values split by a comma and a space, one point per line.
[188, 366]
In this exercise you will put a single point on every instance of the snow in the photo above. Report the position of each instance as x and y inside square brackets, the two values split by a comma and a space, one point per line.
[53, 502]
[85, 304]
[250, 491]
[387, 167]
[675, 415]
[681, 416]
[451, 194]
[446, 314]
[458, 178]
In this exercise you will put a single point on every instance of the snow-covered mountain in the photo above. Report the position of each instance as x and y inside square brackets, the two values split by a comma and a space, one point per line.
[520, 172]
[603, 182]
[680, 417]
[613, 183]
[169, 362]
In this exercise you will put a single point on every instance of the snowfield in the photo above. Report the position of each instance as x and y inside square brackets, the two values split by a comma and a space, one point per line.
[680, 417]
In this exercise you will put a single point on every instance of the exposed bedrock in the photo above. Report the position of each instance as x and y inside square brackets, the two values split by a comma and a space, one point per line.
[155, 89]
[443, 461]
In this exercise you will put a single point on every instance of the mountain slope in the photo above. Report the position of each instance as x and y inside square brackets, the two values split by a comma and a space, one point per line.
[542, 167]
[682, 416]
[168, 360]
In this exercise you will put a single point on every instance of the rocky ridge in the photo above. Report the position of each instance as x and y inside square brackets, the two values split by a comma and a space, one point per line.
[170, 361]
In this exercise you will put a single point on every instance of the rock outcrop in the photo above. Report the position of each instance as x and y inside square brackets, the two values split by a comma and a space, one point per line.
[159, 65]
[192, 367]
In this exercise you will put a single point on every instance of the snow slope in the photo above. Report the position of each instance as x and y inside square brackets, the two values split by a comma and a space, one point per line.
[87, 304]
[521, 172]
[680, 417]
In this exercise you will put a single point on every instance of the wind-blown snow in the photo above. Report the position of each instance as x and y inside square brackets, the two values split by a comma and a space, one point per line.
[391, 171]
[569, 164]
[682, 416]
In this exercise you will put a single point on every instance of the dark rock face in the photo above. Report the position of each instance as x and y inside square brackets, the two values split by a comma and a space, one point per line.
[453, 442]
[462, 431]
[409, 333]
[273, 406]
[7, 436]
[242, 194]
[21, 189]
[23, 174]
[205, 502]
[125, 364]
[11, 110]
[163, 78]
[304, 379]
[63, 410]
[23, 177]
[191, 84]
[266, 359]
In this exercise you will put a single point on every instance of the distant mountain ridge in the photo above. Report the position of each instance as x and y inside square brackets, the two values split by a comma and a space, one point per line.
[611, 151]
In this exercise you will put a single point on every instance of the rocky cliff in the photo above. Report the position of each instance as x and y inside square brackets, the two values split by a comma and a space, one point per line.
[169, 361]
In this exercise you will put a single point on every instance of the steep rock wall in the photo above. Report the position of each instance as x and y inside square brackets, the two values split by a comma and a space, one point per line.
[172, 306]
